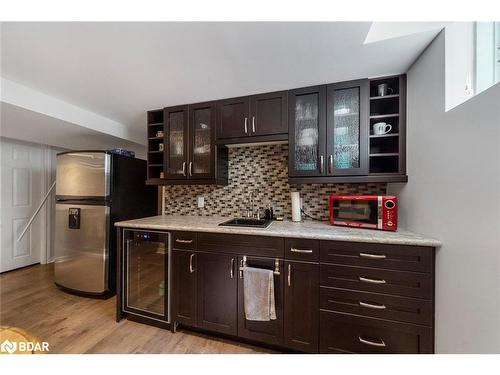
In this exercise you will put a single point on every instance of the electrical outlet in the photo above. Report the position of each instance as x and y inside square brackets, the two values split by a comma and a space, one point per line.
[201, 202]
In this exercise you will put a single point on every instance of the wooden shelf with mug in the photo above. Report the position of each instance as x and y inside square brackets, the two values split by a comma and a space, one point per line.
[387, 145]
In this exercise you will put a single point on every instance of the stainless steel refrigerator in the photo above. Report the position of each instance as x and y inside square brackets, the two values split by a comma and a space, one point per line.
[94, 189]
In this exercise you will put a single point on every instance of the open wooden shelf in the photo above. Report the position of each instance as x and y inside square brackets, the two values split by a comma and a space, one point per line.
[384, 154]
[384, 97]
[385, 116]
[388, 135]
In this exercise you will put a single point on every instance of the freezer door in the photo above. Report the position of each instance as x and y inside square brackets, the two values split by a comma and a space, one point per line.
[82, 247]
[83, 174]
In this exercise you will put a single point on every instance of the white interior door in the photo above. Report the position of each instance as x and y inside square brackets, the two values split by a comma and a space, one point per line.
[22, 191]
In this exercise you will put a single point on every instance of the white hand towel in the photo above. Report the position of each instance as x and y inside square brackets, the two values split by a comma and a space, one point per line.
[258, 294]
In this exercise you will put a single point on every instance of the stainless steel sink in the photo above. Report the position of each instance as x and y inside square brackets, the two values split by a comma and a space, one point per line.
[247, 222]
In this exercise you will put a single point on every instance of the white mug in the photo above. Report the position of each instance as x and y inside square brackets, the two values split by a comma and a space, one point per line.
[381, 128]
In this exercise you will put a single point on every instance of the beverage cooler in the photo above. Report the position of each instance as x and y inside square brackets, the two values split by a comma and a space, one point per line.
[146, 280]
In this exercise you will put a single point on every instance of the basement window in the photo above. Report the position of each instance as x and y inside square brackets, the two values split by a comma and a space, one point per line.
[487, 55]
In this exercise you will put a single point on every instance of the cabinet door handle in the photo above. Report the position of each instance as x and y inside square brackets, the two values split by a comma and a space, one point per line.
[372, 256]
[190, 168]
[183, 168]
[253, 124]
[372, 306]
[301, 251]
[289, 278]
[330, 164]
[241, 269]
[380, 344]
[321, 164]
[372, 281]
[246, 125]
[191, 269]
[231, 273]
[183, 241]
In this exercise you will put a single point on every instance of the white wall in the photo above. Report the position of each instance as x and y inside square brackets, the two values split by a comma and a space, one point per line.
[460, 52]
[453, 194]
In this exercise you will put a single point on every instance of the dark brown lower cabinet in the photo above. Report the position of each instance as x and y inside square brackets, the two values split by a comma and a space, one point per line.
[184, 287]
[270, 332]
[321, 306]
[302, 306]
[217, 289]
[345, 333]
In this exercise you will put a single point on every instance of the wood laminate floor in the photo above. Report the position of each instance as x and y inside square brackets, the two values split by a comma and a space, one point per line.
[71, 324]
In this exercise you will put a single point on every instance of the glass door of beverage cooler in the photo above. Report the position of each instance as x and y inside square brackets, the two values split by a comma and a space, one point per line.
[145, 273]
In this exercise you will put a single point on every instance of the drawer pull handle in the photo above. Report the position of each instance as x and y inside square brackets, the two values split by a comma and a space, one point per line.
[231, 272]
[301, 251]
[289, 278]
[380, 344]
[191, 269]
[183, 241]
[372, 281]
[371, 305]
[372, 256]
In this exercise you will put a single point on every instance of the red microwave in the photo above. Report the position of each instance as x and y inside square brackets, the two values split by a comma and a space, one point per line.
[364, 211]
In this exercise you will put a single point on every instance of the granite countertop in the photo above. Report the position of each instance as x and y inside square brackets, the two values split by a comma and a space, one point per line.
[305, 229]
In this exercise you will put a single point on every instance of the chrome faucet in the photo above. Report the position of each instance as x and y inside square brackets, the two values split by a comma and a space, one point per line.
[250, 205]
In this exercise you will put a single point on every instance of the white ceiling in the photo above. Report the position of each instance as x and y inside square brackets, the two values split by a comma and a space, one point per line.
[29, 126]
[120, 70]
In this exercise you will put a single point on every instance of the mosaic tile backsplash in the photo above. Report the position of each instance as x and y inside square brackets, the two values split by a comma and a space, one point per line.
[262, 170]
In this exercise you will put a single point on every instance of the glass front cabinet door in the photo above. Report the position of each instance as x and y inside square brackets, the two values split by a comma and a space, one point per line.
[347, 128]
[202, 143]
[307, 125]
[176, 140]
[145, 273]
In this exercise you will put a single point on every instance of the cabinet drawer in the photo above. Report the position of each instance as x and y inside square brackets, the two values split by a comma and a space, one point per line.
[410, 310]
[396, 257]
[343, 333]
[184, 240]
[410, 284]
[302, 249]
[241, 244]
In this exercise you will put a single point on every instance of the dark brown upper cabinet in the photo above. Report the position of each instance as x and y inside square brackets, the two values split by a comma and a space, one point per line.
[331, 138]
[252, 118]
[269, 114]
[307, 132]
[201, 162]
[233, 114]
[345, 132]
[347, 128]
[176, 142]
[190, 155]
[328, 130]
